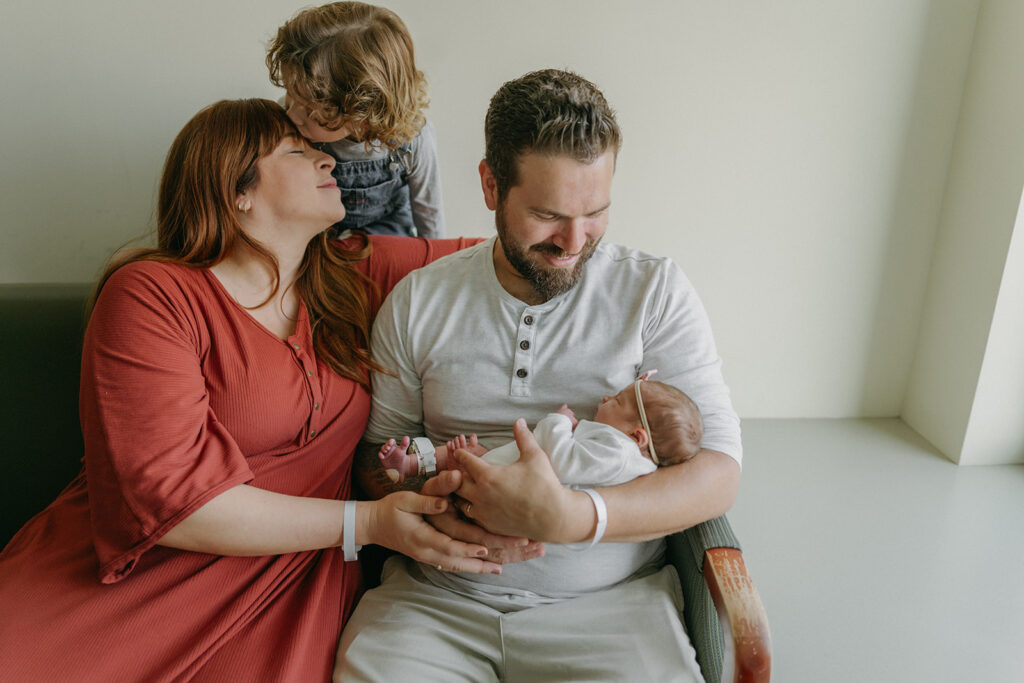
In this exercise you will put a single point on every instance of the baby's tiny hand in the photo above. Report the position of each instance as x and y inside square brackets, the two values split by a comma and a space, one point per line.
[564, 409]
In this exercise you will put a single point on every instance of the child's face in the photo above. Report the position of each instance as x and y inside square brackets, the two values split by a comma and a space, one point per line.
[619, 411]
[299, 113]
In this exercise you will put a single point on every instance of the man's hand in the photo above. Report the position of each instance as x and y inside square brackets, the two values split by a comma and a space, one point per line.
[500, 549]
[524, 498]
[397, 522]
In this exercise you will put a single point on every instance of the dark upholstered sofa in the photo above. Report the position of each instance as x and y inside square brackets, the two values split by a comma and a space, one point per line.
[41, 329]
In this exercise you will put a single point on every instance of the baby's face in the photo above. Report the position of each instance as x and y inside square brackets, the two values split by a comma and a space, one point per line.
[619, 411]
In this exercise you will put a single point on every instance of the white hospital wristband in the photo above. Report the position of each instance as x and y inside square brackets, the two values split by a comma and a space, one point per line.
[348, 532]
[602, 521]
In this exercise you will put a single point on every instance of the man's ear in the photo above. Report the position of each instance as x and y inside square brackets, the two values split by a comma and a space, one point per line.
[641, 437]
[489, 184]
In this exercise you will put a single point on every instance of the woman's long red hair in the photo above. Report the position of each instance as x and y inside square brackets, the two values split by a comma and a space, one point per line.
[211, 161]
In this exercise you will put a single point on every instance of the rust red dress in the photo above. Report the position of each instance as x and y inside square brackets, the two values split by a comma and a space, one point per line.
[184, 395]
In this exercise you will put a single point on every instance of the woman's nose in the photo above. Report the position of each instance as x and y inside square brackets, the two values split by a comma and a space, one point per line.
[326, 161]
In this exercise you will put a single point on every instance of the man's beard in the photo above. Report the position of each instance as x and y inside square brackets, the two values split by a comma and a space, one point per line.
[546, 282]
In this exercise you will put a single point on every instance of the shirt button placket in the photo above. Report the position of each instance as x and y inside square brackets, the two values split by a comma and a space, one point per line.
[305, 362]
[522, 365]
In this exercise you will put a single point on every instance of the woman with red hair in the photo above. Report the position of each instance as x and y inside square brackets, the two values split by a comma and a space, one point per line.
[224, 390]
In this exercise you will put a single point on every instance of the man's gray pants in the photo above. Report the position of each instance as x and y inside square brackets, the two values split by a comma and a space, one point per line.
[411, 630]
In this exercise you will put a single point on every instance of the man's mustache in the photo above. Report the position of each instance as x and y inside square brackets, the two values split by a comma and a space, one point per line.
[549, 249]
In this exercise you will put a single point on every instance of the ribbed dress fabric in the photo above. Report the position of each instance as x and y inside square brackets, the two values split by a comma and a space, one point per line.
[184, 395]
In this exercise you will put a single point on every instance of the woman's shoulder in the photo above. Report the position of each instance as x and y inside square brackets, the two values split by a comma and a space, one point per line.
[155, 282]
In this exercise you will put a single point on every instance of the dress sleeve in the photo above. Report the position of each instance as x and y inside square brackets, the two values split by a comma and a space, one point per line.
[154, 450]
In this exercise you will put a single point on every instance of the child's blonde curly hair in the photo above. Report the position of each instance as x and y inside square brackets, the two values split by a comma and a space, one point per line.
[351, 62]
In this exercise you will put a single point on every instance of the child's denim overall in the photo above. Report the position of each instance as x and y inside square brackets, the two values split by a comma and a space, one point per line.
[375, 193]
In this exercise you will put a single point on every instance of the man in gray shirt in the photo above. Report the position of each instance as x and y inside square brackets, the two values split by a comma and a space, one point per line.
[504, 330]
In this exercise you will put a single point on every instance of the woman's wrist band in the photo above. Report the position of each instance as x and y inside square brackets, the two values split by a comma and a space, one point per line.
[348, 532]
[602, 521]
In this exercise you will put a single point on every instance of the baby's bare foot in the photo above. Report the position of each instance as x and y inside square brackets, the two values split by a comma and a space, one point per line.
[394, 459]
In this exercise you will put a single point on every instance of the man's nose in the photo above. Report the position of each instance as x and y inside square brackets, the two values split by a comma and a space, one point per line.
[572, 236]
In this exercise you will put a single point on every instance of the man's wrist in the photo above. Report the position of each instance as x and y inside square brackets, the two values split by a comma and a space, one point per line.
[579, 518]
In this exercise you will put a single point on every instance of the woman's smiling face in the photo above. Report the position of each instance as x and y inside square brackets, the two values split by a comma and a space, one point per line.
[294, 184]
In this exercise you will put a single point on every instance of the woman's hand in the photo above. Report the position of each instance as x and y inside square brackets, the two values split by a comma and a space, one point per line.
[500, 549]
[524, 498]
[397, 522]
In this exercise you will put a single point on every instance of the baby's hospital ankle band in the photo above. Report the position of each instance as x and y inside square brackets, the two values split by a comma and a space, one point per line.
[425, 455]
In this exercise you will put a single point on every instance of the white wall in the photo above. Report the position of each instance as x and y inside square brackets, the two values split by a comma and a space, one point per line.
[791, 156]
[968, 376]
[995, 431]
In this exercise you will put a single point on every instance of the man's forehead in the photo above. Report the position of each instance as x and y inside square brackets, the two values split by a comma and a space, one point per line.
[562, 166]
[528, 155]
[561, 178]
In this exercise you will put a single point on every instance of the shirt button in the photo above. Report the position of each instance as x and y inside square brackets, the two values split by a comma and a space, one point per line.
[528, 320]
[312, 434]
[524, 345]
[520, 373]
[297, 347]
[316, 406]
[309, 372]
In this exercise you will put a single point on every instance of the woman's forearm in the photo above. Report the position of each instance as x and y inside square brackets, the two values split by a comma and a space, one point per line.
[248, 521]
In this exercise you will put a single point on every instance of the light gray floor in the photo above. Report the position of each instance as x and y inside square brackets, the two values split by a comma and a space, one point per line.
[877, 558]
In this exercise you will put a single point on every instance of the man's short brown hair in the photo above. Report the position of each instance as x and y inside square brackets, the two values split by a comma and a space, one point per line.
[548, 112]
